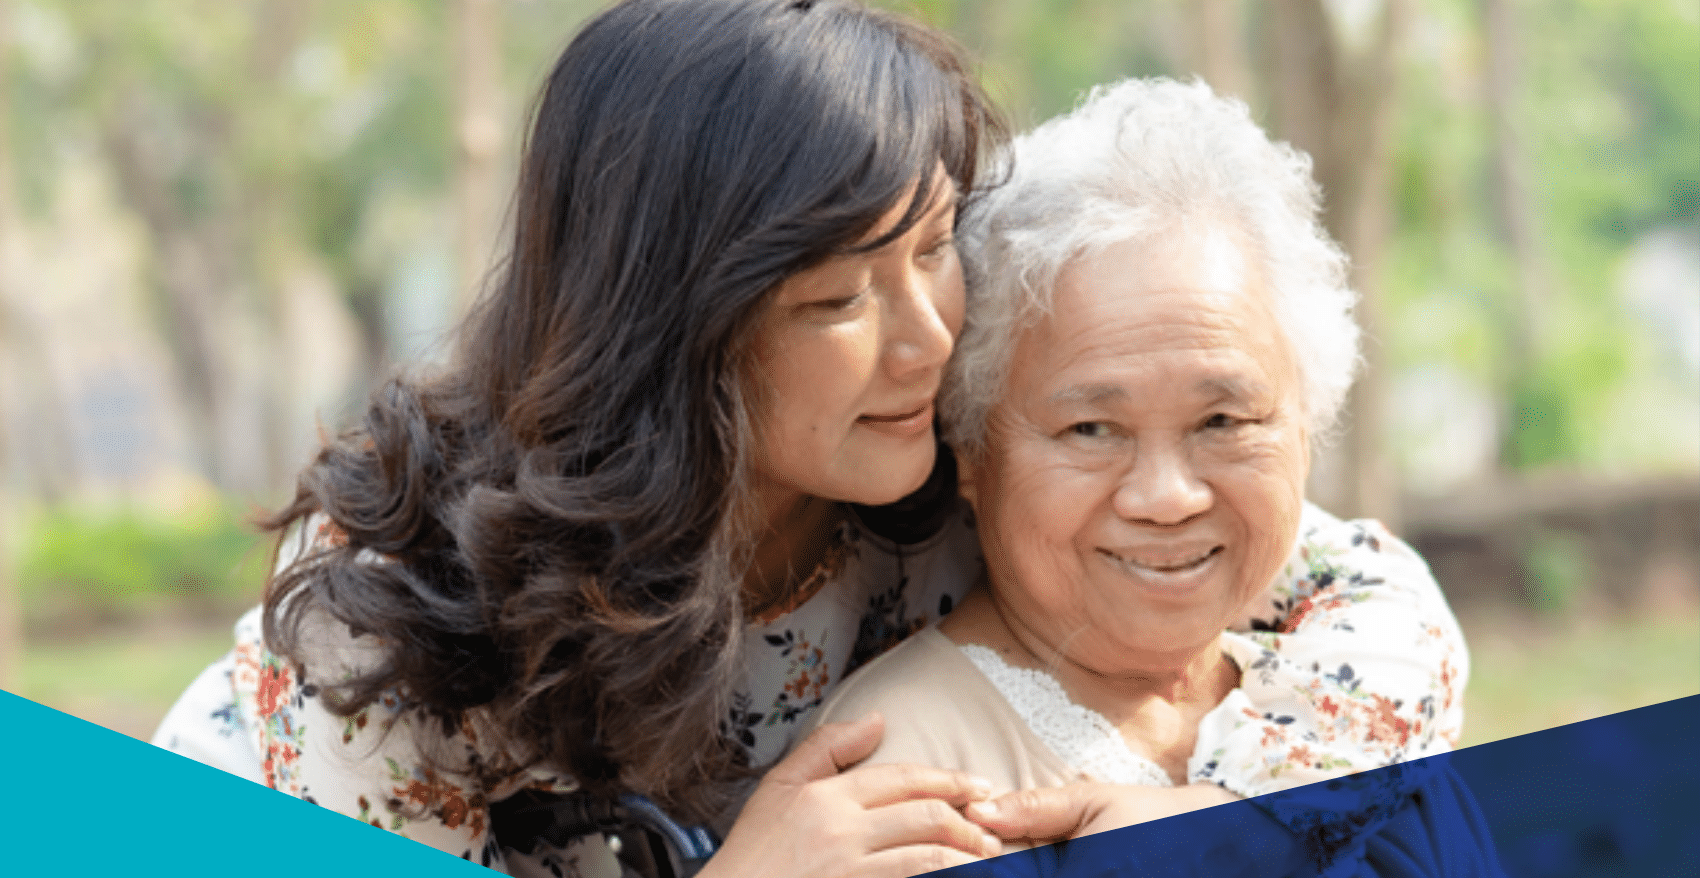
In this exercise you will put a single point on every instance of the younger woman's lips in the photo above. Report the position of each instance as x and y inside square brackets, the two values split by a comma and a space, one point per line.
[902, 424]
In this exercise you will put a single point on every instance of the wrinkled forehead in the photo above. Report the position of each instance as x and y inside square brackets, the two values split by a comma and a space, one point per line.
[1190, 302]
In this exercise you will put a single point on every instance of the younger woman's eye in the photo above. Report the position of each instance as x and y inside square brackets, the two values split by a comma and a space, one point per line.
[844, 303]
[937, 248]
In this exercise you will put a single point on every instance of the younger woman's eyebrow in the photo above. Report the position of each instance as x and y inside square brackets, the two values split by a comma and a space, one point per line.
[946, 200]
[943, 202]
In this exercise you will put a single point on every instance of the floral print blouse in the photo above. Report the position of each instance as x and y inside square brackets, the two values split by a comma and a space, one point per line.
[1350, 660]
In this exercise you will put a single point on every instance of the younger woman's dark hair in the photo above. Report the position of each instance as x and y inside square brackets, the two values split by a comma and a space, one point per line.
[550, 526]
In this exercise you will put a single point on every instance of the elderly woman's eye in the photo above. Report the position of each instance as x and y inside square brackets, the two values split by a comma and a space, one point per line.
[1219, 420]
[1090, 429]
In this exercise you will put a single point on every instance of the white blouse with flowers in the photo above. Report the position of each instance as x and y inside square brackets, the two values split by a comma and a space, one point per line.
[1351, 660]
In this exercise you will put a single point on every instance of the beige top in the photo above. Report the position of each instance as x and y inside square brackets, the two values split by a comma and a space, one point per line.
[941, 710]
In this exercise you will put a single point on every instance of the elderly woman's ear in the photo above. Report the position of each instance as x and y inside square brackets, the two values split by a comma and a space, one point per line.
[967, 477]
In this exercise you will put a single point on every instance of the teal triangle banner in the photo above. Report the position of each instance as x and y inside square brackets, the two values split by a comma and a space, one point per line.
[84, 800]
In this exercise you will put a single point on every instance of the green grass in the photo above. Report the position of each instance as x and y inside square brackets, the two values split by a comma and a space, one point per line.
[1524, 679]
[125, 683]
[80, 561]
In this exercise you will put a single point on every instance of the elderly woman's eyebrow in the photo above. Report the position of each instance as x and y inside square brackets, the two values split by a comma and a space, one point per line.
[1096, 395]
[1231, 388]
[1215, 389]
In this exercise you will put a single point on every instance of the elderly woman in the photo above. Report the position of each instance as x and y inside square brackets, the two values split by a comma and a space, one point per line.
[1159, 330]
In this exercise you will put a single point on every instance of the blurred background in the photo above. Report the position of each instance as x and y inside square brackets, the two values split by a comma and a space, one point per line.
[221, 222]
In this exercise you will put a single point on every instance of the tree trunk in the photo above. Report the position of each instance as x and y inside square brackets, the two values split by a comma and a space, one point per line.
[11, 627]
[1218, 46]
[1515, 216]
[1341, 107]
[1511, 188]
[217, 287]
[1373, 106]
[478, 137]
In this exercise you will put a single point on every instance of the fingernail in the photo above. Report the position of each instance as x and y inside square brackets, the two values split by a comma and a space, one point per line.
[981, 786]
[993, 845]
[987, 809]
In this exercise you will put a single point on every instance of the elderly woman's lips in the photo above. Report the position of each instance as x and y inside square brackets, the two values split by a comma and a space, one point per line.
[1176, 562]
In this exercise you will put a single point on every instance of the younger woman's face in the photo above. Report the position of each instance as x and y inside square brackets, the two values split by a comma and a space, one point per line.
[851, 351]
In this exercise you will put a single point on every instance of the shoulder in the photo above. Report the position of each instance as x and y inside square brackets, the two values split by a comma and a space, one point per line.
[906, 680]
[940, 710]
[1344, 562]
[1346, 553]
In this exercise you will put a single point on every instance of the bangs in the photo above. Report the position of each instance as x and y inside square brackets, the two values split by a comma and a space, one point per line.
[891, 104]
[943, 131]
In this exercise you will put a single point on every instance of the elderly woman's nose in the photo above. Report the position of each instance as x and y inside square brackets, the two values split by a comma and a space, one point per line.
[1161, 488]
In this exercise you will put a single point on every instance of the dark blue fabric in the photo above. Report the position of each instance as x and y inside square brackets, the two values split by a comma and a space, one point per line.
[1440, 830]
[1437, 830]
[1615, 796]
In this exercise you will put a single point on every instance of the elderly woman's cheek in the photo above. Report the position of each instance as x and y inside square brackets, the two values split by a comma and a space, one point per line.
[1273, 451]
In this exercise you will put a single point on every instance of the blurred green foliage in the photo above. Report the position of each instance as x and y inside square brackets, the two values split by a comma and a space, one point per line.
[1605, 119]
[1607, 123]
[269, 133]
[1559, 571]
[115, 563]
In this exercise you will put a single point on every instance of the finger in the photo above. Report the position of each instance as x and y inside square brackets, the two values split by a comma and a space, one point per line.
[912, 860]
[876, 785]
[928, 821]
[829, 750]
[1042, 814]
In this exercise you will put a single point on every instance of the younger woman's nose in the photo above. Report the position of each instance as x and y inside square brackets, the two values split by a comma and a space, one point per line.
[923, 329]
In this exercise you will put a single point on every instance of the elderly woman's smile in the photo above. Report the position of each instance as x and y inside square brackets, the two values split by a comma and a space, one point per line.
[1147, 561]
[1144, 469]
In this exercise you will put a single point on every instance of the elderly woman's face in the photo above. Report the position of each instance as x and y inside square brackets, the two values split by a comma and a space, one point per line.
[1145, 466]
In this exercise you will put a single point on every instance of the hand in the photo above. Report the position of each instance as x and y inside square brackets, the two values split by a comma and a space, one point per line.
[811, 818]
[1057, 813]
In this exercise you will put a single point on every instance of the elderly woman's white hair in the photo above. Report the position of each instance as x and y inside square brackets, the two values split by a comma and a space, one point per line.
[1138, 159]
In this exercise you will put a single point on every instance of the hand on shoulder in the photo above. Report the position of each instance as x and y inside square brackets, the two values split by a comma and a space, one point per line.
[814, 814]
[1058, 813]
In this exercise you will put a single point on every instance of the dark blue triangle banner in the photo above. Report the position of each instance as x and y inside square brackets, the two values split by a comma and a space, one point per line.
[1614, 796]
